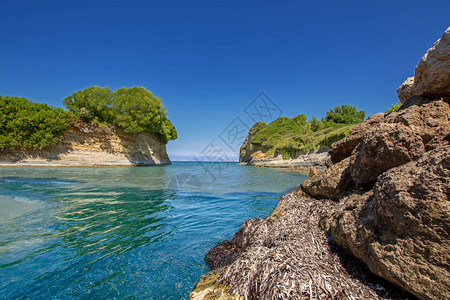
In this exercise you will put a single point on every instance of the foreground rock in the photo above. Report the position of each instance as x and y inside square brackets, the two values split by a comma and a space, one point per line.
[431, 78]
[401, 229]
[390, 182]
[287, 256]
[88, 144]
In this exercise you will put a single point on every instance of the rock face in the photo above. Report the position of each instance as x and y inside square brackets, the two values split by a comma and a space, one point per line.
[401, 229]
[345, 147]
[247, 149]
[432, 76]
[87, 144]
[390, 182]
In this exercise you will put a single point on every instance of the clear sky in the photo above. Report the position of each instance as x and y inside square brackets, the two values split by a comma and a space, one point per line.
[208, 60]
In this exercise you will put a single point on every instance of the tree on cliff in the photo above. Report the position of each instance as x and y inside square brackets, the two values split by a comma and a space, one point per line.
[133, 109]
[345, 114]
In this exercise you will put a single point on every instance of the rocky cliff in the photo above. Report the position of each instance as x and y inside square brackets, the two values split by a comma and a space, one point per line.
[88, 144]
[256, 155]
[382, 207]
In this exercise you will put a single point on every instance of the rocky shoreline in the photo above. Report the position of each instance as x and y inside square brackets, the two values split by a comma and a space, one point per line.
[303, 163]
[90, 145]
[384, 202]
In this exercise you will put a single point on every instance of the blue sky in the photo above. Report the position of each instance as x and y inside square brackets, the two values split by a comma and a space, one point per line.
[208, 60]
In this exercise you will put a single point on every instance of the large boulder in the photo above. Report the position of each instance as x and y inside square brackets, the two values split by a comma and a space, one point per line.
[344, 148]
[384, 147]
[432, 74]
[401, 229]
[330, 184]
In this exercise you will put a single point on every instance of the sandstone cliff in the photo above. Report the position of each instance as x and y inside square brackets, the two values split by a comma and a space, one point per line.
[88, 144]
[384, 201]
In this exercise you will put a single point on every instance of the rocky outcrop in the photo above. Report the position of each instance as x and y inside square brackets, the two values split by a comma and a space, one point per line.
[287, 256]
[431, 77]
[88, 144]
[390, 182]
[401, 228]
[332, 183]
[248, 148]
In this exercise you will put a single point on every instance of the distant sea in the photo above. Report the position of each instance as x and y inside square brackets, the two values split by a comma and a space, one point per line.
[125, 233]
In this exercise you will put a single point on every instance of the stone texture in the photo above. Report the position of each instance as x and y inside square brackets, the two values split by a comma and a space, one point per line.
[384, 147]
[332, 183]
[401, 228]
[432, 74]
[313, 172]
[429, 118]
[344, 148]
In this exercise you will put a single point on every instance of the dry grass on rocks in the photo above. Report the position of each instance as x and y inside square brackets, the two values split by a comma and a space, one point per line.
[287, 256]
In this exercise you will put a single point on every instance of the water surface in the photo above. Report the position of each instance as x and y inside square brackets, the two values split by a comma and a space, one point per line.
[123, 232]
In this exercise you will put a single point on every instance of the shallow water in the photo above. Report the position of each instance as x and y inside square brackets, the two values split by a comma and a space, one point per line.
[124, 232]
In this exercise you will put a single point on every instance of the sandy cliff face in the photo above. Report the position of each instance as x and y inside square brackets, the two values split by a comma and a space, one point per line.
[87, 144]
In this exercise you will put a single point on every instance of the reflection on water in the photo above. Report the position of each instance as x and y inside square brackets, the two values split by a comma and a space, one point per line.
[122, 232]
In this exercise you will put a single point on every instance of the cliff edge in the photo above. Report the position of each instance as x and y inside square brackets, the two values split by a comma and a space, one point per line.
[88, 144]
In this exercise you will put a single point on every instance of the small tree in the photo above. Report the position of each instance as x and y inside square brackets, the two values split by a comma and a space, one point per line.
[345, 114]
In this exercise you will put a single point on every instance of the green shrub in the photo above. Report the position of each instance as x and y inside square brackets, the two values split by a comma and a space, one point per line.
[394, 107]
[24, 124]
[345, 114]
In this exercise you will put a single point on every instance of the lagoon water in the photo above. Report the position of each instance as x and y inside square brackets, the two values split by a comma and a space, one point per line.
[125, 233]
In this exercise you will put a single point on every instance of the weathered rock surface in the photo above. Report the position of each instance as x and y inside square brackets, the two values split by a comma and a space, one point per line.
[401, 229]
[344, 148]
[330, 184]
[432, 75]
[87, 144]
[385, 146]
[287, 256]
[248, 148]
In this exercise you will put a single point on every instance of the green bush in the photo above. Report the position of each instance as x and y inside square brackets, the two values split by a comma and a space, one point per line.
[24, 124]
[345, 114]
[133, 109]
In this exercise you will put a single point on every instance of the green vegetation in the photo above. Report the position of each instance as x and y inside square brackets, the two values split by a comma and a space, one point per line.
[135, 110]
[24, 124]
[394, 107]
[288, 136]
[28, 125]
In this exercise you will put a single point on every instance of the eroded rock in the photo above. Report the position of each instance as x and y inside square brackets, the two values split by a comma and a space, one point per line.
[401, 228]
[332, 183]
[432, 76]
[344, 148]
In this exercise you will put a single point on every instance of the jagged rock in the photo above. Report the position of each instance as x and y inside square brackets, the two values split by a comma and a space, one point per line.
[344, 148]
[332, 183]
[384, 147]
[432, 74]
[401, 229]
[406, 90]
[429, 118]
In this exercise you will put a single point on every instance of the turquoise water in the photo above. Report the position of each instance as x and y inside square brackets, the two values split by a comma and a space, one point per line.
[123, 232]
